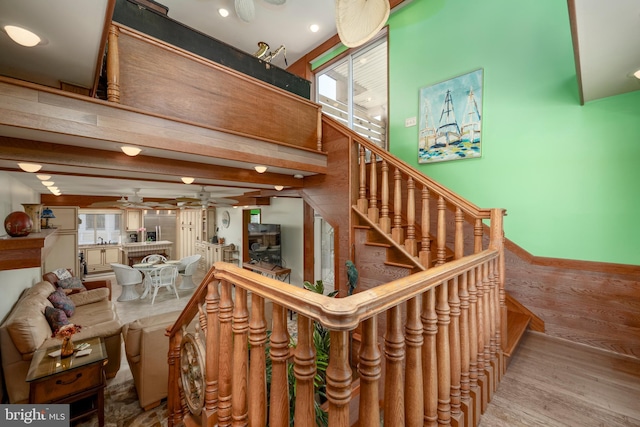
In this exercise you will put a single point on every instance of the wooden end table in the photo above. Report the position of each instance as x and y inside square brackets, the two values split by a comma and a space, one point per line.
[78, 381]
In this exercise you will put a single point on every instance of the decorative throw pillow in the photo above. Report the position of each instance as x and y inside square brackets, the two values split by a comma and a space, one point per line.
[56, 318]
[62, 273]
[71, 283]
[60, 300]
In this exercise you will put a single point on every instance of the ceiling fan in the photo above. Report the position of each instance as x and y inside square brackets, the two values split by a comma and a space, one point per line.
[201, 200]
[134, 201]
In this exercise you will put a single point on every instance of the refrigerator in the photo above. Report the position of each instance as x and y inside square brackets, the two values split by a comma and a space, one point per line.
[160, 225]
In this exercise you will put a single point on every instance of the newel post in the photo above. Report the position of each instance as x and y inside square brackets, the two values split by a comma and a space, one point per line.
[497, 242]
[113, 66]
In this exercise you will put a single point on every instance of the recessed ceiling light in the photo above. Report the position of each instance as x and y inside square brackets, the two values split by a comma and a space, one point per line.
[637, 74]
[314, 28]
[130, 151]
[30, 167]
[260, 169]
[298, 176]
[22, 36]
[43, 177]
[278, 187]
[223, 12]
[187, 179]
[48, 183]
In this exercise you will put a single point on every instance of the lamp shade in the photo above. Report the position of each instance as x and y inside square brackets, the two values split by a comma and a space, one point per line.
[47, 213]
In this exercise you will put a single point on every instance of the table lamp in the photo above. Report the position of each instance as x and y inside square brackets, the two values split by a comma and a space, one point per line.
[46, 214]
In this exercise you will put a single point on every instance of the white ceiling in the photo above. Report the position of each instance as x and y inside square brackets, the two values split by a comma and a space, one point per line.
[608, 37]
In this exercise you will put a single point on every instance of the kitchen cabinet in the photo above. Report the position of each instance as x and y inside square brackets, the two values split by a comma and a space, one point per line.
[64, 252]
[210, 252]
[189, 231]
[133, 219]
[100, 259]
[208, 224]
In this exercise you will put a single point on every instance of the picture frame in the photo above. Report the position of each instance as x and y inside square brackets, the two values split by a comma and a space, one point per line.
[450, 121]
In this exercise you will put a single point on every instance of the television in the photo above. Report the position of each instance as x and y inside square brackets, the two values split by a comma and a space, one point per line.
[264, 244]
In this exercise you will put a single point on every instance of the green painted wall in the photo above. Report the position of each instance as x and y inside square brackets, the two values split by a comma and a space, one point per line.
[567, 174]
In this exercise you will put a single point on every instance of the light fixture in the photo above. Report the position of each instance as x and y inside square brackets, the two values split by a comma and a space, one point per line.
[260, 169]
[22, 36]
[314, 28]
[298, 176]
[637, 74]
[278, 187]
[130, 151]
[187, 179]
[48, 183]
[223, 12]
[43, 177]
[30, 167]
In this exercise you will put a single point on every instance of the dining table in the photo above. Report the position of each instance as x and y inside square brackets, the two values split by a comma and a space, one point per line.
[147, 267]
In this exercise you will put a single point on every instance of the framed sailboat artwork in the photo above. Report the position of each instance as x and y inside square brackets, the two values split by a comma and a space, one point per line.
[450, 120]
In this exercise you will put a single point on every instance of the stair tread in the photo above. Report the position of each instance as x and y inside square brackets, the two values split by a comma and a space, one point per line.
[517, 323]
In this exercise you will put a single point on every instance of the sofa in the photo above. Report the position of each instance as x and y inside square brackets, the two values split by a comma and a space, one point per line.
[147, 348]
[26, 330]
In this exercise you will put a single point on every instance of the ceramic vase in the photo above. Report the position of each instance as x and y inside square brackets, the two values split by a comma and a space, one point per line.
[33, 210]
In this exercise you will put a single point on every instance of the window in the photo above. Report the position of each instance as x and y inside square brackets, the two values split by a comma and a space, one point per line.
[354, 91]
[99, 226]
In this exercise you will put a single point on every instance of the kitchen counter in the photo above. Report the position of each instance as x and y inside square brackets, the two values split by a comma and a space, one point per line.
[147, 244]
[94, 246]
[133, 252]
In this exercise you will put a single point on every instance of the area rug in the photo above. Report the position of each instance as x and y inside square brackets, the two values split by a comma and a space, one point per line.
[121, 409]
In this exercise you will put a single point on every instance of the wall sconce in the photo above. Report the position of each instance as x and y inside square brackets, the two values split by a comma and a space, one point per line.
[30, 167]
[187, 179]
[260, 169]
[278, 187]
[130, 151]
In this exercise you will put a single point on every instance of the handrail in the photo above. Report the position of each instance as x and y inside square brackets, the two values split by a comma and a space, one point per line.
[345, 314]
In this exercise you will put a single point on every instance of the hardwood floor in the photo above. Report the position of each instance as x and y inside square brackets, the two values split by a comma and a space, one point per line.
[554, 382]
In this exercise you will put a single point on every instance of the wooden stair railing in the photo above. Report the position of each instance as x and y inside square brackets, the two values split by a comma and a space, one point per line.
[418, 353]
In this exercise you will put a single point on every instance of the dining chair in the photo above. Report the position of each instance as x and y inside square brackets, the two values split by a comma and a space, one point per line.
[154, 258]
[127, 277]
[163, 277]
[188, 266]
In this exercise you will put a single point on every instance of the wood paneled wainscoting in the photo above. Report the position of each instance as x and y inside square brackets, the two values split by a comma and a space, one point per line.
[597, 304]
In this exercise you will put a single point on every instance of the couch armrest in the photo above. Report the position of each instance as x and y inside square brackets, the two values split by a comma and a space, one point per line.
[91, 296]
[95, 284]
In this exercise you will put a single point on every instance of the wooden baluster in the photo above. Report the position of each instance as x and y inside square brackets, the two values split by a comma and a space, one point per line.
[373, 213]
[213, 357]
[477, 234]
[459, 234]
[430, 358]
[444, 355]
[239, 383]
[397, 232]
[442, 232]
[465, 344]
[480, 327]
[394, 379]
[410, 242]
[413, 385]
[279, 352]
[257, 366]
[474, 390]
[369, 370]
[454, 345]
[425, 243]
[304, 369]
[113, 66]
[226, 355]
[174, 398]
[363, 204]
[495, 322]
[339, 379]
[486, 303]
[385, 221]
